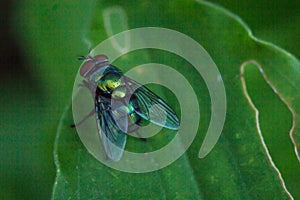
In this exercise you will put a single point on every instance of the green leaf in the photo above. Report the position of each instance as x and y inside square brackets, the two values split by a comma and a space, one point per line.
[275, 21]
[81, 176]
[255, 156]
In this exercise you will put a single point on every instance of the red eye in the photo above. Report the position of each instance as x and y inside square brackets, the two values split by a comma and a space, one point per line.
[92, 62]
[86, 68]
[100, 59]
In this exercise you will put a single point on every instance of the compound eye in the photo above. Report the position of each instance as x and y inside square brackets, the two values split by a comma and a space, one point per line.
[86, 68]
[100, 59]
[92, 62]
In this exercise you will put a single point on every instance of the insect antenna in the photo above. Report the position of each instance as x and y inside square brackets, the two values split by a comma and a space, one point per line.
[82, 58]
[86, 57]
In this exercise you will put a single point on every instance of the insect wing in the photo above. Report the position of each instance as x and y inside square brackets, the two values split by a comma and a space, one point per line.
[151, 107]
[112, 128]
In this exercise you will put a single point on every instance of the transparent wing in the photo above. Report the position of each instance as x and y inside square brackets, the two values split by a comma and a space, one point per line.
[112, 127]
[151, 107]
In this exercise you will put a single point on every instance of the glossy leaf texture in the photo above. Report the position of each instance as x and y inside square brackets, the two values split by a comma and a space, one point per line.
[255, 156]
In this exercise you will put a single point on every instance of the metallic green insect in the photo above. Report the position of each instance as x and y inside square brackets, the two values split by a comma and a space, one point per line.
[122, 105]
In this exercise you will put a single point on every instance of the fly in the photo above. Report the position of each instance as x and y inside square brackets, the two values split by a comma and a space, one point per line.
[122, 105]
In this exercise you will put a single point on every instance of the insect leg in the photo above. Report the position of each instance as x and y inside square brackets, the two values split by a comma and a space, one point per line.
[83, 120]
[84, 84]
[88, 86]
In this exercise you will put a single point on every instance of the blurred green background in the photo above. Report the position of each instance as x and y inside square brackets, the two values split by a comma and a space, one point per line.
[36, 84]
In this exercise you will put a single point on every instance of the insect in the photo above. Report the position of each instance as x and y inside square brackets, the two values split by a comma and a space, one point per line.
[122, 105]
